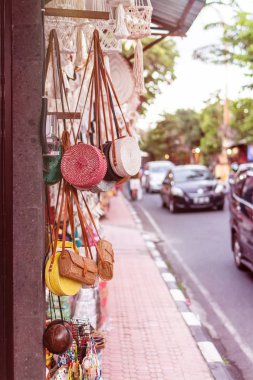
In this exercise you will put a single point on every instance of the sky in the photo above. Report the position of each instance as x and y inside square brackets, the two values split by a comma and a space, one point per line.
[196, 81]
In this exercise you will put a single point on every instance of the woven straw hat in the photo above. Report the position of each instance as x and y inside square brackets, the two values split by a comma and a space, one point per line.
[83, 166]
[128, 157]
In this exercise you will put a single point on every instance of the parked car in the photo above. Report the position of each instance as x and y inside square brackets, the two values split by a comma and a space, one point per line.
[191, 187]
[154, 175]
[241, 217]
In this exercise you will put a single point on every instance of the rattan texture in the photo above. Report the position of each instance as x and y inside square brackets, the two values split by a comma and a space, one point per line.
[122, 77]
[138, 19]
[106, 28]
[115, 3]
[83, 166]
[128, 157]
[66, 27]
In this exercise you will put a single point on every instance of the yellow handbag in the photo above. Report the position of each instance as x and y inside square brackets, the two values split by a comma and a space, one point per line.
[57, 284]
[50, 283]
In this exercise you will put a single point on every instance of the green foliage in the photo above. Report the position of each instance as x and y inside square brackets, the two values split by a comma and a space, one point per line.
[236, 45]
[210, 123]
[242, 119]
[239, 41]
[159, 62]
[162, 139]
[188, 122]
[175, 135]
[178, 134]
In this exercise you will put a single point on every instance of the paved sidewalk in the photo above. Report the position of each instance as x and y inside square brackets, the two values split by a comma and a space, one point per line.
[149, 339]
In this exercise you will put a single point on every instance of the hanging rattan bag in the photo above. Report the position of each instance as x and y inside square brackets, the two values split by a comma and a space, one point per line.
[106, 28]
[56, 283]
[104, 250]
[124, 152]
[106, 260]
[83, 166]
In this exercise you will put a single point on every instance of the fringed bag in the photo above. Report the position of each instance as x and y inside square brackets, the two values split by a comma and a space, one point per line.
[138, 19]
[106, 28]
[66, 27]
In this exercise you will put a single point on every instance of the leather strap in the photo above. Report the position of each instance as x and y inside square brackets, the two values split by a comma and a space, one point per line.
[113, 90]
[56, 234]
[82, 218]
[71, 217]
[54, 49]
[90, 215]
[65, 141]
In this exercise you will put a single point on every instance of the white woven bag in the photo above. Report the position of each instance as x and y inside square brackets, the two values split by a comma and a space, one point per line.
[125, 3]
[66, 27]
[138, 19]
[128, 157]
[106, 28]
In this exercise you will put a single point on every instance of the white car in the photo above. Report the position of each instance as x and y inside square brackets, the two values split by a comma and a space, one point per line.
[154, 175]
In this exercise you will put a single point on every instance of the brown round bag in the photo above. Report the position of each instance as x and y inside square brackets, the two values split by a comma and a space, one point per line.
[57, 337]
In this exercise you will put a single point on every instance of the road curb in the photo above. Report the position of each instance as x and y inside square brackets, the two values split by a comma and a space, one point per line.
[205, 345]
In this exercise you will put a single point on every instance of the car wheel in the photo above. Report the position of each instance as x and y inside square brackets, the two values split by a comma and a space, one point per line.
[147, 189]
[220, 207]
[238, 255]
[172, 206]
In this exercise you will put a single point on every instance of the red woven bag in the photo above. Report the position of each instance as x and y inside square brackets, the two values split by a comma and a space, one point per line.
[83, 166]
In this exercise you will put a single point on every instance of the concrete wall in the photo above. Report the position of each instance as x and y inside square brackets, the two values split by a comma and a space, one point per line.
[28, 191]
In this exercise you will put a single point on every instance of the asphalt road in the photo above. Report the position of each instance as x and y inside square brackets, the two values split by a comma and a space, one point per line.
[198, 247]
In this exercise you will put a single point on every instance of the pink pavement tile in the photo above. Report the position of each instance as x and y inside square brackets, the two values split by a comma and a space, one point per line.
[148, 337]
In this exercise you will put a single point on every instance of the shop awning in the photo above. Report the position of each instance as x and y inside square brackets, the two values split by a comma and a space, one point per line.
[175, 16]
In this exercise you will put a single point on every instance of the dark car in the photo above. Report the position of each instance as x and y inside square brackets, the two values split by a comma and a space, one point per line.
[241, 217]
[191, 187]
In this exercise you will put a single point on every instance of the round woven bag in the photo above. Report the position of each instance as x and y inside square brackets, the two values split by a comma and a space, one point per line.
[61, 286]
[83, 166]
[128, 157]
[124, 84]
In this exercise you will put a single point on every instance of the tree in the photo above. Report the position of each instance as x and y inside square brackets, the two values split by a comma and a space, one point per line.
[159, 62]
[162, 139]
[235, 45]
[189, 123]
[211, 118]
[175, 135]
[239, 41]
[242, 119]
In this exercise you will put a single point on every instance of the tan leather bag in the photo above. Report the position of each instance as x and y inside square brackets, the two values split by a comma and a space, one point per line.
[104, 251]
[92, 271]
[78, 268]
[105, 260]
[71, 265]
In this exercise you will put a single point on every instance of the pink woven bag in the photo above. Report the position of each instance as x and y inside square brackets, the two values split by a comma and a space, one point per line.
[83, 166]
